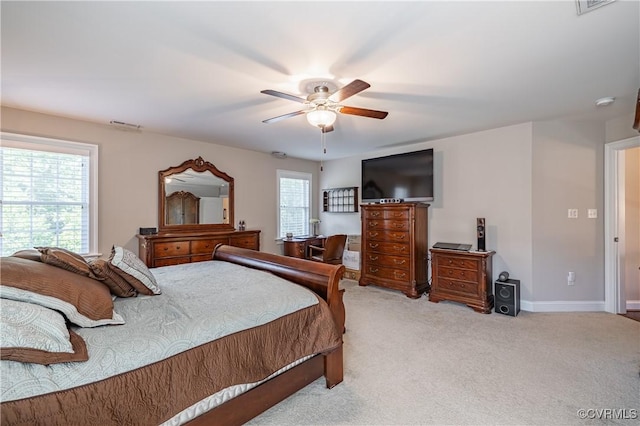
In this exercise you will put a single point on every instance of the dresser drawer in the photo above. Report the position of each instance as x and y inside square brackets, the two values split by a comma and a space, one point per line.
[379, 259]
[394, 225]
[387, 214]
[462, 287]
[383, 272]
[201, 257]
[458, 274]
[248, 241]
[395, 249]
[206, 246]
[459, 262]
[171, 249]
[171, 261]
[385, 235]
[397, 214]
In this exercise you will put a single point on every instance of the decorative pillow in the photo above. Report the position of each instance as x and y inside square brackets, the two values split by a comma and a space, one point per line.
[84, 301]
[66, 259]
[31, 254]
[132, 269]
[118, 285]
[32, 333]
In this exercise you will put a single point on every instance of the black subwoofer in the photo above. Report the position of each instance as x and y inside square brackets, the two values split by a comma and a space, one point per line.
[507, 297]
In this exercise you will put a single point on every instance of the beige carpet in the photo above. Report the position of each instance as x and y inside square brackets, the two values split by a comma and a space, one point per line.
[413, 362]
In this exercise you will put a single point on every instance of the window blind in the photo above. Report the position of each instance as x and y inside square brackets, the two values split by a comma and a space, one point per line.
[45, 199]
[294, 206]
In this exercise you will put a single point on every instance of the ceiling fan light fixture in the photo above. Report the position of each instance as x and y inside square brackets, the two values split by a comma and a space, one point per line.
[321, 117]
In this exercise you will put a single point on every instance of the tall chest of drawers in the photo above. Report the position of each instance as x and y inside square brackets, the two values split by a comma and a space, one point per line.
[395, 247]
[173, 249]
[464, 277]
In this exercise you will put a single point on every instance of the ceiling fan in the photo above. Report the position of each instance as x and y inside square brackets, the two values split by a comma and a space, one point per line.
[321, 106]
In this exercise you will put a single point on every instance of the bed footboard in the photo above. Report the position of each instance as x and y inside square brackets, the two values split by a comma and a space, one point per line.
[322, 278]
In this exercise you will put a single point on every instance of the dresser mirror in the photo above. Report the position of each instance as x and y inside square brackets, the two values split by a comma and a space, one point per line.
[195, 196]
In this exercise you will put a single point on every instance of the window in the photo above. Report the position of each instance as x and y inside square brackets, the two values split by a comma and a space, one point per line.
[48, 194]
[294, 203]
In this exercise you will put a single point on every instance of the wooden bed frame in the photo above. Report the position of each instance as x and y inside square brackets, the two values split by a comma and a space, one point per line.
[324, 280]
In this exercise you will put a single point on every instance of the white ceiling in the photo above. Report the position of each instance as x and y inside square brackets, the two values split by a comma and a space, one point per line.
[196, 69]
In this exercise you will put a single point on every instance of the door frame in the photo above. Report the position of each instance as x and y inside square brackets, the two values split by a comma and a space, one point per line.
[614, 298]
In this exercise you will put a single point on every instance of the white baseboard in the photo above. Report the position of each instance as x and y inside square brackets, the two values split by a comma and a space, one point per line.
[594, 306]
[633, 305]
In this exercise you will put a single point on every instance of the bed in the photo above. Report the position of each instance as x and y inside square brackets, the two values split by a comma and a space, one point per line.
[224, 365]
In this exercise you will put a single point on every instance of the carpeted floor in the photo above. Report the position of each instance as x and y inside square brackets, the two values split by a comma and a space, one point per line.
[413, 362]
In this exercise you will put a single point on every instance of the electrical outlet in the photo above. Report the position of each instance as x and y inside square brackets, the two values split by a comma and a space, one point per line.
[572, 213]
[571, 278]
[592, 213]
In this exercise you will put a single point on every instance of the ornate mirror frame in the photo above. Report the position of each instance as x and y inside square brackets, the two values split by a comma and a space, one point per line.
[198, 165]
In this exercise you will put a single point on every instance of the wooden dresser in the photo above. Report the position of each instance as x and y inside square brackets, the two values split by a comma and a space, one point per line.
[173, 249]
[464, 277]
[394, 247]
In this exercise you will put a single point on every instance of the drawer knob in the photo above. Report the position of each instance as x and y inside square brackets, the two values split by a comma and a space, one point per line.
[373, 245]
[373, 234]
[373, 270]
[400, 274]
[399, 262]
[373, 224]
[375, 214]
[373, 257]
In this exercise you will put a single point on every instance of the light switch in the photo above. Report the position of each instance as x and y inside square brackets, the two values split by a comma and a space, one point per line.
[572, 214]
[592, 213]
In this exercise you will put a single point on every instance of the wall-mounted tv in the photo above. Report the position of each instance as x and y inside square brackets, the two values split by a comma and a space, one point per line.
[407, 176]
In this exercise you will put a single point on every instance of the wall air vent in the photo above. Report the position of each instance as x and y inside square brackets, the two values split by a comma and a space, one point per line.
[584, 6]
[121, 125]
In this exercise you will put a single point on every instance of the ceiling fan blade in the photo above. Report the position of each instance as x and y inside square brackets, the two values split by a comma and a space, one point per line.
[283, 96]
[282, 117]
[327, 129]
[371, 113]
[356, 86]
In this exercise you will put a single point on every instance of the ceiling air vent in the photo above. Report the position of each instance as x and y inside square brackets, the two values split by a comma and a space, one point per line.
[121, 125]
[584, 6]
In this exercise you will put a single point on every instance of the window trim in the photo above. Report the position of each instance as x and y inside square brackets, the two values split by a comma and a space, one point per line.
[281, 173]
[37, 143]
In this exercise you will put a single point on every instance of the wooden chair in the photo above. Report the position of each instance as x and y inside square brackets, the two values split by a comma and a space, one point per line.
[331, 252]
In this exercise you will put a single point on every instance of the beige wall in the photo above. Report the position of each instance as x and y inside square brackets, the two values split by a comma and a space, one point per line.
[632, 227]
[568, 173]
[128, 174]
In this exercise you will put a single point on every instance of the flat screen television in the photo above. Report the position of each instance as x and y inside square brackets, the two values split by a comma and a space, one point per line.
[407, 176]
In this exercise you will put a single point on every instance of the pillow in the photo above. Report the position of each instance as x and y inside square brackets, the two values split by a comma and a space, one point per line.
[84, 301]
[131, 268]
[66, 259]
[32, 333]
[118, 285]
[31, 254]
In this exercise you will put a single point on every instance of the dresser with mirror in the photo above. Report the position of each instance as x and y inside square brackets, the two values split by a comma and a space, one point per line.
[195, 213]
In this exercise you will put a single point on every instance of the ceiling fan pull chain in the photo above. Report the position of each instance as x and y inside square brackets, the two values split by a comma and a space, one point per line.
[324, 148]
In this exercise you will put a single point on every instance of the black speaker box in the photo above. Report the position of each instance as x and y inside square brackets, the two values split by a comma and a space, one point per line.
[507, 297]
[480, 231]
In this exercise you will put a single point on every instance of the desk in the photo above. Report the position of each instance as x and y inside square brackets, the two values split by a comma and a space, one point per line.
[299, 246]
